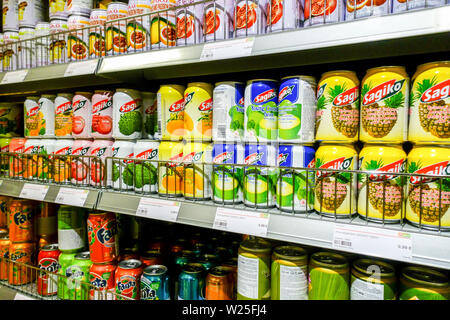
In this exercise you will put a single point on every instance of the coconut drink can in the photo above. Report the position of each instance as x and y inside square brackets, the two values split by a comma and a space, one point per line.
[102, 114]
[228, 108]
[249, 17]
[189, 23]
[401, 5]
[81, 164]
[323, 12]
[163, 29]
[62, 164]
[335, 192]
[198, 111]
[145, 172]
[197, 159]
[226, 177]
[380, 196]
[10, 50]
[47, 107]
[42, 42]
[101, 149]
[429, 117]
[116, 32]
[428, 198]
[170, 108]
[79, 6]
[78, 38]
[97, 46]
[170, 169]
[422, 283]
[82, 115]
[127, 114]
[295, 187]
[138, 29]
[121, 171]
[10, 19]
[283, 15]
[356, 10]
[261, 111]
[63, 115]
[150, 114]
[218, 20]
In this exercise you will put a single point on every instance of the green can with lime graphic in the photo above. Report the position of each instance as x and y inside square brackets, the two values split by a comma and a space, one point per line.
[254, 270]
[78, 277]
[65, 260]
[421, 283]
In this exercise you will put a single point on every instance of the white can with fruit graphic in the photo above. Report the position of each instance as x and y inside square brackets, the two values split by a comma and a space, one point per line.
[121, 172]
[63, 115]
[102, 114]
[380, 196]
[127, 114]
[429, 118]
[47, 105]
[78, 39]
[101, 149]
[138, 28]
[250, 17]
[189, 23]
[10, 19]
[32, 117]
[96, 33]
[61, 163]
[283, 15]
[116, 32]
[80, 165]
[163, 28]
[323, 12]
[406, 5]
[218, 20]
[384, 105]
[82, 115]
[335, 192]
[428, 198]
[356, 9]
[30, 12]
[58, 42]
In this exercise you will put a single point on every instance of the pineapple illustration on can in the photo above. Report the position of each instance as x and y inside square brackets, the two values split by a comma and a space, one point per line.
[170, 109]
[428, 200]
[337, 114]
[197, 157]
[170, 169]
[335, 191]
[384, 105]
[198, 111]
[380, 197]
[430, 103]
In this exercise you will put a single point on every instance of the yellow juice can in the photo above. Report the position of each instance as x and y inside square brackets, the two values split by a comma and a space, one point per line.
[198, 111]
[170, 108]
[170, 169]
[197, 159]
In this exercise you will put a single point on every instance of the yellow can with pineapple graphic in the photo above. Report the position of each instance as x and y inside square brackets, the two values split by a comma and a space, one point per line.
[337, 114]
[198, 111]
[170, 108]
[428, 198]
[384, 105]
[430, 103]
[170, 169]
[197, 159]
[380, 196]
[335, 191]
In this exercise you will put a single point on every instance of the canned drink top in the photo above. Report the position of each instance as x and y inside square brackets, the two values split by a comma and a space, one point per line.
[50, 247]
[83, 255]
[193, 268]
[155, 270]
[425, 276]
[257, 80]
[130, 264]
[256, 245]
[219, 271]
[384, 269]
[290, 253]
[329, 260]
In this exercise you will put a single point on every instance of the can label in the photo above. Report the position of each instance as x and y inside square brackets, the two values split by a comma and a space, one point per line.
[30, 12]
[27, 54]
[249, 17]
[116, 33]
[62, 164]
[317, 13]
[18, 274]
[33, 117]
[218, 20]
[63, 117]
[104, 285]
[163, 28]
[150, 124]
[146, 179]
[10, 15]
[21, 224]
[198, 111]
[78, 40]
[120, 172]
[289, 282]
[57, 7]
[253, 281]
[58, 44]
[100, 149]
[127, 285]
[48, 283]
[102, 114]
[79, 6]
[10, 51]
[171, 174]
[196, 182]
[283, 15]
[365, 290]
[77, 279]
[151, 288]
[189, 23]
[138, 29]
[127, 115]
[170, 101]
[355, 10]
[82, 116]
[80, 165]
[47, 124]
[399, 5]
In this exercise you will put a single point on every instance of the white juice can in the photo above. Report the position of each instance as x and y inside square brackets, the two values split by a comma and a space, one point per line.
[146, 172]
[82, 115]
[121, 171]
[127, 114]
[81, 164]
[41, 32]
[189, 23]
[47, 107]
[101, 149]
[27, 55]
[62, 164]
[218, 20]
[30, 12]
[149, 124]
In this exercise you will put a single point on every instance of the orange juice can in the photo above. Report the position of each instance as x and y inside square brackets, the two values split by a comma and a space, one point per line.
[4, 254]
[21, 220]
[170, 106]
[4, 211]
[170, 169]
[198, 111]
[63, 115]
[21, 254]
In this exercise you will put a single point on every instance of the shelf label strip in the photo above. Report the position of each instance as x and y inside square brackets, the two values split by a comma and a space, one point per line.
[227, 49]
[72, 197]
[240, 221]
[373, 241]
[158, 209]
[80, 68]
[14, 76]
[34, 191]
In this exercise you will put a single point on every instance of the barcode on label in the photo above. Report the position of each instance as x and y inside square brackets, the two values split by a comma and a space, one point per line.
[343, 243]
[221, 223]
[142, 211]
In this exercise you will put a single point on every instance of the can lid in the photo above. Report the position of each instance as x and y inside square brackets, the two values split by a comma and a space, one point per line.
[155, 270]
[86, 255]
[50, 247]
[103, 91]
[65, 95]
[256, 245]
[229, 82]
[400, 69]
[48, 96]
[303, 77]
[290, 253]
[208, 257]
[376, 268]
[329, 260]
[83, 93]
[255, 80]
[130, 264]
[219, 271]
[425, 276]
[32, 98]
[193, 268]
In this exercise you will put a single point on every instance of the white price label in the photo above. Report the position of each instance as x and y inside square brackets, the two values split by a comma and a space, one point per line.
[72, 197]
[240, 221]
[20, 296]
[80, 68]
[227, 49]
[34, 191]
[158, 209]
[14, 76]
[373, 241]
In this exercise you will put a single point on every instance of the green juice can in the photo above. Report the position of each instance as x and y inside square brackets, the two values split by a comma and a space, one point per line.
[65, 260]
[254, 270]
[373, 280]
[421, 283]
[328, 277]
[289, 274]
[78, 277]
[71, 229]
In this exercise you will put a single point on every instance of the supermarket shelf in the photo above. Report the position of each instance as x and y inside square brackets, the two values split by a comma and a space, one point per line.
[415, 32]
[22, 292]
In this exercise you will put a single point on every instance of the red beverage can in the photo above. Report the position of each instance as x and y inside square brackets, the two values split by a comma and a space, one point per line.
[47, 284]
[102, 230]
[151, 257]
[127, 279]
[23, 253]
[21, 220]
[4, 254]
[102, 277]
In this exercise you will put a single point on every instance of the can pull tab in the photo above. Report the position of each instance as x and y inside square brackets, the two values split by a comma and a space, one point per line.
[375, 272]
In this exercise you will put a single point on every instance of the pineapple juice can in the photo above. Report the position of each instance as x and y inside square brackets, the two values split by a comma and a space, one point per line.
[337, 114]
[384, 105]
[422, 283]
[380, 196]
[430, 103]
[335, 192]
[170, 109]
[428, 201]
[197, 159]
[170, 170]
[198, 111]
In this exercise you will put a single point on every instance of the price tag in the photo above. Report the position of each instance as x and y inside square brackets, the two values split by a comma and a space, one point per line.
[72, 197]
[14, 76]
[34, 191]
[374, 241]
[227, 49]
[248, 222]
[20, 296]
[158, 209]
[80, 68]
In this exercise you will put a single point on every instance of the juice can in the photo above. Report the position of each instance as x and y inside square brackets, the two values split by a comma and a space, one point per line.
[401, 5]
[82, 115]
[428, 200]
[155, 283]
[97, 46]
[116, 32]
[218, 284]
[17, 166]
[197, 158]
[63, 115]
[226, 177]
[384, 105]
[41, 30]
[337, 115]
[47, 222]
[380, 196]
[259, 184]
[32, 117]
[335, 192]
[314, 12]
[21, 220]
[31, 152]
[253, 278]
[218, 20]
[78, 277]
[151, 257]
[146, 172]
[191, 282]
[58, 43]
[289, 273]
[102, 114]
[11, 120]
[189, 23]
[369, 8]
[47, 284]
[121, 172]
[283, 15]
[149, 124]
[228, 107]
[22, 252]
[57, 8]
[10, 15]
[296, 109]
[102, 278]
[27, 52]
[329, 277]
[80, 165]
[4, 254]
[208, 260]
[62, 163]
[4, 159]
[100, 149]
[170, 108]
[163, 29]
[422, 283]
[127, 114]
[78, 38]
[44, 160]
[127, 277]
[249, 17]
[373, 280]
[10, 50]
[30, 12]
[102, 237]
[198, 111]
[294, 186]
[138, 29]
[71, 229]
[429, 118]
[170, 169]
[79, 6]
[4, 211]
[261, 111]
[47, 108]
[65, 260]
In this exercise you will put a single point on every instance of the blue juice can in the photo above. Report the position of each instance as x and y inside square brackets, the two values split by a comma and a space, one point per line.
[155, 283]
[295, 187]
[192, 282]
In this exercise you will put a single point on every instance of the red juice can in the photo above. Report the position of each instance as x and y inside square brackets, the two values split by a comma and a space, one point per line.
[102, 277]
[127, 279]
[48, 260]
[102, 231]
